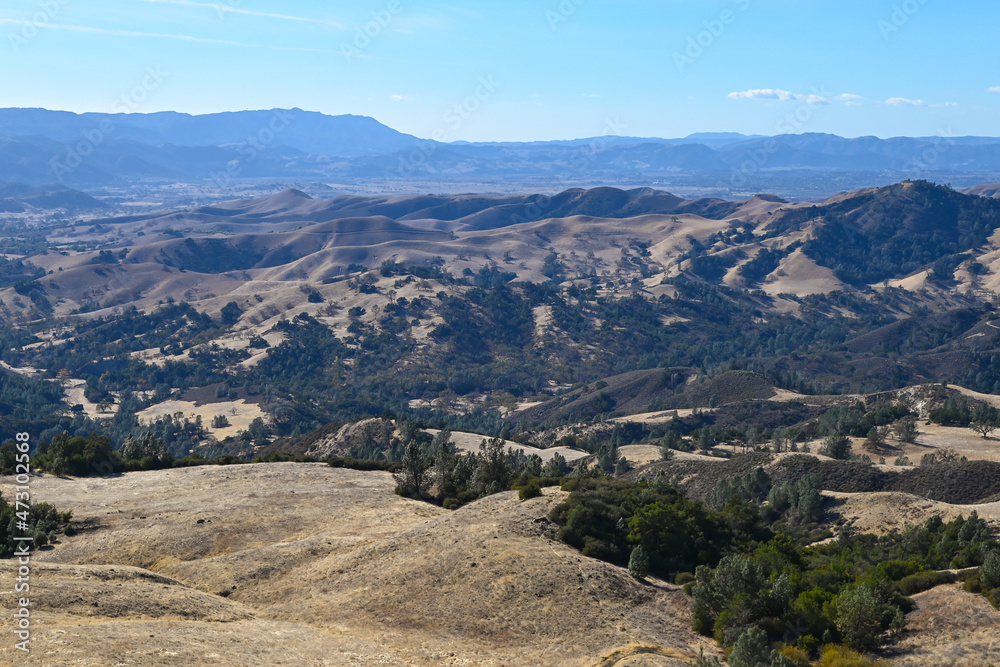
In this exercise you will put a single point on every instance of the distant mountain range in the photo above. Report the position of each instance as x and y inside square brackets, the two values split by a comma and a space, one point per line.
[38, 146]
[20, 198]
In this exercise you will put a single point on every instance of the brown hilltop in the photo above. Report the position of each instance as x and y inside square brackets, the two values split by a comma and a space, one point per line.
[306, 564]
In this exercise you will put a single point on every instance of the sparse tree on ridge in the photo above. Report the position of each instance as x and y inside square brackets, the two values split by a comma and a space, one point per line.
[638, 563]
[143, 446]
[555, 467]
[493, 472]
[875, 441]
[412, 480]
[984, 420]
[837, 446]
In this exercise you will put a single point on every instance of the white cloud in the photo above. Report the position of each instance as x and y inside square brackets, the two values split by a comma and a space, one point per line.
[777, 94]
[763, 94]
[947, 105]
[590, 95]
[401, 98]
[850, 100]
[994, 89]
[903, 102]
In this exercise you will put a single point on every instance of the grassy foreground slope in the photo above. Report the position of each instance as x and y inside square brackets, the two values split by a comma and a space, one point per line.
[302, 564]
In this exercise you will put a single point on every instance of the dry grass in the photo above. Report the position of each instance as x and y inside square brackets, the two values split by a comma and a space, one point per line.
[470, 442]
[892, 511]
[239, 413]
[323, 566]
[800, 275]
[302, 564]
[949, 627]
[934, 438]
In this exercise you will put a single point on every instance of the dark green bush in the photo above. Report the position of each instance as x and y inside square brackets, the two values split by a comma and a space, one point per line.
[530, 490]
[363, 464]
[683, 578]
[923, 581]
[78, 456]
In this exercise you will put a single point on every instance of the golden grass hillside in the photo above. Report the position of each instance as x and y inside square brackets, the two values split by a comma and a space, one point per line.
[302, 564]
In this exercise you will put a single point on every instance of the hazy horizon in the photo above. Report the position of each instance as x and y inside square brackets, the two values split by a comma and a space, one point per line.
[709, 132]
[523, 71]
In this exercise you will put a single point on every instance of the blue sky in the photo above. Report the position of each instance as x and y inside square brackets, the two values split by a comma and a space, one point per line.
[519, 69]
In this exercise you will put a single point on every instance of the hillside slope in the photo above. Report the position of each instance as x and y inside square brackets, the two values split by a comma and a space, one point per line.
[342, 570]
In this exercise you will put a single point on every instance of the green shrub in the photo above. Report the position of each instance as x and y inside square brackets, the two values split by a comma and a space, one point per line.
[790, 655]
[638, 563]
[364, 464]
[751, 649]
[990, 570]
[702, 661]
[78, 456]
[683, 578]
[530, 490]
[924, 581]
[863, 617]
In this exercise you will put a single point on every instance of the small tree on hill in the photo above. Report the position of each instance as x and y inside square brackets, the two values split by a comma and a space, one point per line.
[989, 572]
[863, 617]
[556, 466]
[905, 430]
[444, 463]
[780, 441]
[706, 440]
[623, 466]
[984, 420]
[751, 649]
[493, 472]
[230, 313]
[412, 480]
[948, 455]
[875, 441]
[668, 444]
[638, 563]
[837, 446]
[147, 445]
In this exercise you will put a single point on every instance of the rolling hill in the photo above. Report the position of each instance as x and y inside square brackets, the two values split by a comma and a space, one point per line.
[237, 580]
[600, 325]
[626, 302]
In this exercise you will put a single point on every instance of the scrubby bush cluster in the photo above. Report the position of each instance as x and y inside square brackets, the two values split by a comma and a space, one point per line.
[437, 472]
[755, 588]
[42, 523]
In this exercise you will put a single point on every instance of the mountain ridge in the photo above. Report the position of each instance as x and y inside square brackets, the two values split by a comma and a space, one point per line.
[95, 150]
